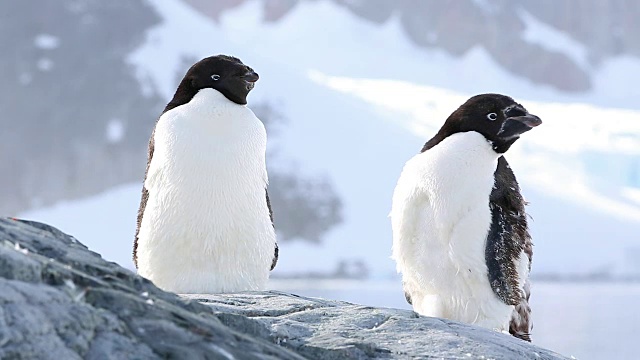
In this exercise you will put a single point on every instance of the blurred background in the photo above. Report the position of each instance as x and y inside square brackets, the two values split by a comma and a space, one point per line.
[349, 90]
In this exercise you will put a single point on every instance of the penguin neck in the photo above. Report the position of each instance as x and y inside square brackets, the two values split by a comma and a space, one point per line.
[211, 106]
[462, 167]
[210, 112]
[213, 97]
[470, 148]
[186, 94]
[183, 95]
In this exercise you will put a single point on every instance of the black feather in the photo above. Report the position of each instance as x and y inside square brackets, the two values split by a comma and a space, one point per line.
[276, 251]
[508, 234]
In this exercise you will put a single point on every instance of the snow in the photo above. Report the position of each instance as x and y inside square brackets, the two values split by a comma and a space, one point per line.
[105, 222]
[356, 113]
[25, 79]
[44, 64]
[569, 131]
[485, 5]
[46, 41]
[360, 49]
[114, 131]
[632, 194]
[158, 60]
[551, 163]
[537, 32]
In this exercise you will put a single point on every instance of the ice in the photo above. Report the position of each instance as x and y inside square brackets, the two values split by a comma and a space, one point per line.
[44, 64]
[549, 38]
[25, 79]
[115, 131]
[46, 41]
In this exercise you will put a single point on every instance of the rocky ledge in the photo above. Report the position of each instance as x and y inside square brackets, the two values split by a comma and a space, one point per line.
[61, 301]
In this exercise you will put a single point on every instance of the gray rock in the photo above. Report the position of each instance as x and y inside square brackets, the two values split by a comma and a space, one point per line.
[58, 300]
[326, 329]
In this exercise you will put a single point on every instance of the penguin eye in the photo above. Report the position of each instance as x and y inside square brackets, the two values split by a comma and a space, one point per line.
[492, 116]
[215, 77]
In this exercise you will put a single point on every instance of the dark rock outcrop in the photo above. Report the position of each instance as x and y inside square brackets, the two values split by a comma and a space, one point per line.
[58, 300]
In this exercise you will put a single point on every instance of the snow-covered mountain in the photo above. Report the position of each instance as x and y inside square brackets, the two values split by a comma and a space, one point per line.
[361, 99]
[69, 100]
[556, 43]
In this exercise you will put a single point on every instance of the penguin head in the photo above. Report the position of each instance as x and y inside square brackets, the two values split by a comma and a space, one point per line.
[224, 73]
[497, 117]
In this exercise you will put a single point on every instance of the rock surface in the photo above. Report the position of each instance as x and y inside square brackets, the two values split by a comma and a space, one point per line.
[327, 329]
[58, 300]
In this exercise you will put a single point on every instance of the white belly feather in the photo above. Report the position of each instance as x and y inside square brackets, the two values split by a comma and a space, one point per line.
[440, 217]
[206, 225]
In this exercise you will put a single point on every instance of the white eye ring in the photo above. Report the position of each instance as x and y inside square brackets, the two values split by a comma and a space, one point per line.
[215, 77]
[492, 116]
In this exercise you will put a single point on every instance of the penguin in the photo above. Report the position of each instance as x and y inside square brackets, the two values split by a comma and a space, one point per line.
[205, 223]
[460, 234]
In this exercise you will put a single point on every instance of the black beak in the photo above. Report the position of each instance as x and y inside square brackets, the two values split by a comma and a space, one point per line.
[514, 126]
[251, 77]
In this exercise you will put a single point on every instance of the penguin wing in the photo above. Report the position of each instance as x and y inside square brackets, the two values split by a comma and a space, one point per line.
[407, 292]
[143, 200]
[275, 254]
[508, 239]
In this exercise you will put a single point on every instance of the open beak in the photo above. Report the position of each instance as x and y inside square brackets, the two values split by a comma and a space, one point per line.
[514, 126]
[250, 78]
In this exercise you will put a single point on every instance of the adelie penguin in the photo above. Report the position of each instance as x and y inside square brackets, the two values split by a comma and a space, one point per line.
[205, 222]
[460, 234]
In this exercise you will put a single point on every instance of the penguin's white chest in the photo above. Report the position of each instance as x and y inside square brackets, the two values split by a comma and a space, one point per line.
[206, 226]
[440, 218]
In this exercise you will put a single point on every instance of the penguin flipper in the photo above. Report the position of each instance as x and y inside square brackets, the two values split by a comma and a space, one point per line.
[407, 293]
[275, 254]
[508, 238]
[269, 206]
[144, 199]
[143, 204]
[275, 258]
[407, 296]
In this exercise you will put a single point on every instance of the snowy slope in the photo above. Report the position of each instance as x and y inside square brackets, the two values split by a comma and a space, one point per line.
[580, 169]
[322, 36]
